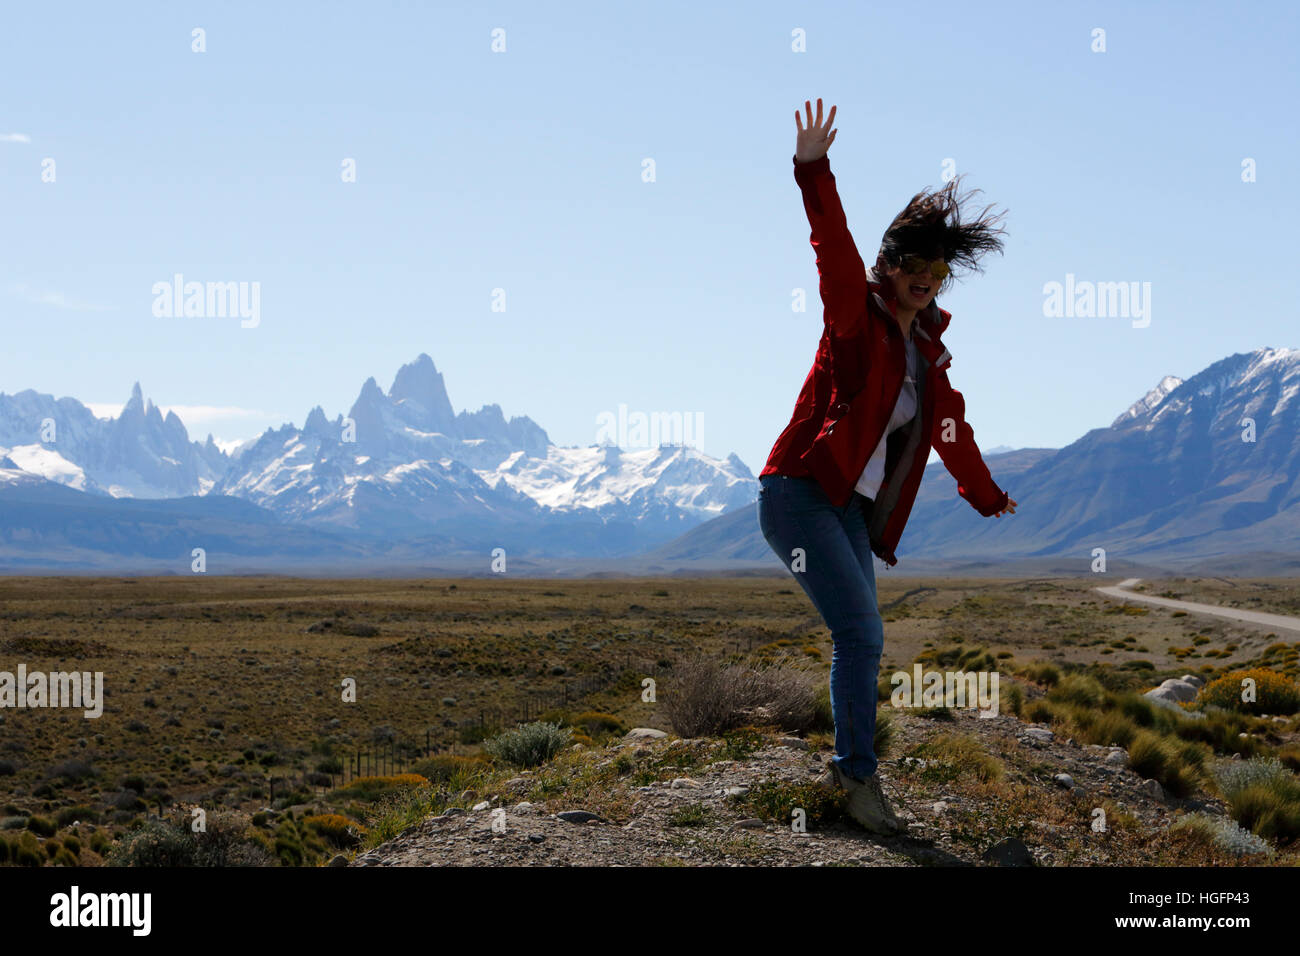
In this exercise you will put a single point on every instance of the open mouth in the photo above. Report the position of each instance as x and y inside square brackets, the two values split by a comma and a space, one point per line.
[920, 291]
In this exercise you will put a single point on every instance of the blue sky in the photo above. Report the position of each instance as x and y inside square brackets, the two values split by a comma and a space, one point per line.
[522, 171]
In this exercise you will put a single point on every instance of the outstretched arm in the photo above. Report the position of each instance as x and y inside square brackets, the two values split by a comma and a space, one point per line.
[843, 277]
[954, 440]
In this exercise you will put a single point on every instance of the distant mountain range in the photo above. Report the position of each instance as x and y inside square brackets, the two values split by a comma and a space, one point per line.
[400, 475]
[403, 484]
[1175, 482]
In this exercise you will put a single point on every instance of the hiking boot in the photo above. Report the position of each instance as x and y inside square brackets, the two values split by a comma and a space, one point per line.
[867, 804]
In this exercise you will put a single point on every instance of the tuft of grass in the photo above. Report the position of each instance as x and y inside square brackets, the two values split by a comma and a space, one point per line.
[690, 815]
[1041, 672]
[1153, 756]
[955, 755]
[1079, 690]
[777, 800]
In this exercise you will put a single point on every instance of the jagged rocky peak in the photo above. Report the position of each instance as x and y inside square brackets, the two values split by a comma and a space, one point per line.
[317, 424]
[419, 391]
[136, 402]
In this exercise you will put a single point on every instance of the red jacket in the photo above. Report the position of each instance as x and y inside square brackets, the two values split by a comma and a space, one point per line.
[849, 395]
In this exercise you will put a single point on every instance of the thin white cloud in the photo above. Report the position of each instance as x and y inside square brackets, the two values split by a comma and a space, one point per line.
[191, 415]
[15, 138]
[58, 300]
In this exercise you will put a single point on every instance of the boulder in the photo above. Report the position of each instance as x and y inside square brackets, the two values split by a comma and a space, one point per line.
[1174, 690]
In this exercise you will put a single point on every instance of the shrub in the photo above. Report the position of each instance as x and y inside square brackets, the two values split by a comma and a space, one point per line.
[1108, 727]
[776, 801]
[1290, 756]
[1274, 692]
[708, 698]
[1041, 673]
[156, 844]
[78, 814]
[1040, 711]
[740, 744]
[1233, 776]
[100, 842]
[27, 852]
[1223, 833]
[955, 755]
[690, 815]
[446, 768]
[168, 843]
[369, 789]
[41, 826]
[1262, 795]
[823, 718]
[336, 828]
[73, 771]
[529, 745]
[597, 724]
[1150, 755]
[1078, 689]
[1012, 699]
[886, 730]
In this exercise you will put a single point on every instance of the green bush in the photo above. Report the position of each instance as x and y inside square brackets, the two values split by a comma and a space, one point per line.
[776, 801]
[529, 745]
[740, 744]
[156, 844]
[70, 815]
[28, 852]
[597, 724]
[446, 768]
[823, 718]
[1152, 756]
[1262, 795]
[886, 730]
[1275, 693]
[164, 843]
[42, 826]
[1078, 689]
[1041, 673]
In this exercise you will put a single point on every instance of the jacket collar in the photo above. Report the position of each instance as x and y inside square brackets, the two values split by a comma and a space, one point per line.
[929, 325]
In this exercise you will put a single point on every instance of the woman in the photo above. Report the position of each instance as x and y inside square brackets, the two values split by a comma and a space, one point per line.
[840, 481]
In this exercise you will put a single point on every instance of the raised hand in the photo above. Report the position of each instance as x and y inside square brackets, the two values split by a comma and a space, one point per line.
[1011, 507]
[812, 142]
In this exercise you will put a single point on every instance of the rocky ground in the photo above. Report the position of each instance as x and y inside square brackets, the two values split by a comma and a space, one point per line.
[1010, 794]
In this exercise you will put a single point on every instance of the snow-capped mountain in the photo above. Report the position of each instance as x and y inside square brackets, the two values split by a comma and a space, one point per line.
[1147, 403]
[398, 465]
[139, 454]
[1194, 473]
[403, 463]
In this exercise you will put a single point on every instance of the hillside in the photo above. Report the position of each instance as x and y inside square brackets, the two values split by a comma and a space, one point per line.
[714, 804]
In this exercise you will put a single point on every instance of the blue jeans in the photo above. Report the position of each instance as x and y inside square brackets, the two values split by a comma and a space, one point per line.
[839, 577]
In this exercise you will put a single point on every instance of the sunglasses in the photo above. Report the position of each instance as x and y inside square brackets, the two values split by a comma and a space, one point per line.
[915, 265]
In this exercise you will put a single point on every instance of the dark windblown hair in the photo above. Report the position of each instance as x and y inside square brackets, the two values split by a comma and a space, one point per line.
[931, 226]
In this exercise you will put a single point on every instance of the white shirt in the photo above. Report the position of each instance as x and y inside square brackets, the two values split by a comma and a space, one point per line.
[904, 410]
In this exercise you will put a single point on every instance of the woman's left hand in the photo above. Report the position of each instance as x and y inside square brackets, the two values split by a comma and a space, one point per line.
[1011, 507]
